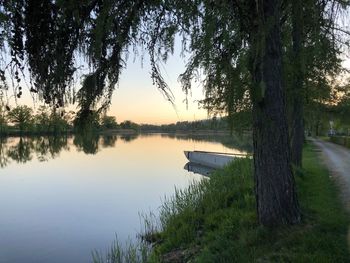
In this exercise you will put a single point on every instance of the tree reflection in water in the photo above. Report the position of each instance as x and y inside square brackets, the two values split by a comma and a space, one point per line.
[4, 160]
[22, 151]
[88, 143]
[44, 148]
[49, 147]
[129, 137]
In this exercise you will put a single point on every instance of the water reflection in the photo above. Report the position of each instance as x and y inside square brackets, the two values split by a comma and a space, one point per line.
[44, 148]
[129, 137]
[22, 151]
[47, 148]
[198, 169]
[3, 153]
[78, 202]
[240, 142]
[88, 143]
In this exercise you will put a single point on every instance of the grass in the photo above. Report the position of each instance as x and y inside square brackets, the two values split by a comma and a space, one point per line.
[120, 253]
[215, 221]
[324, 138]
[341, 140]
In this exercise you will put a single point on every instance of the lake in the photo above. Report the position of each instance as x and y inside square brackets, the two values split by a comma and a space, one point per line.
[63, 197]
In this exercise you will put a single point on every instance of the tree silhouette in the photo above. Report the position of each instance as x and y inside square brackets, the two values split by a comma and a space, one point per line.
[22, 117]
[108, 122]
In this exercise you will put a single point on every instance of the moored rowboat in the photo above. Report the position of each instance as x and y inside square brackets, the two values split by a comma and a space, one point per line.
[211, 159]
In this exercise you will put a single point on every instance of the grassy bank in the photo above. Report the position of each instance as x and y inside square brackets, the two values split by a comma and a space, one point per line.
[341, 140]
[215, 221]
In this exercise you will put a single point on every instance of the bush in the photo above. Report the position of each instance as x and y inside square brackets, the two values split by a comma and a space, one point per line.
[341, 140]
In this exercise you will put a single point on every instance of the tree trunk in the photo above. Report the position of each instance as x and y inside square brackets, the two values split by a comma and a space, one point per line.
[297, 131]
[275, 188]
[317, 128]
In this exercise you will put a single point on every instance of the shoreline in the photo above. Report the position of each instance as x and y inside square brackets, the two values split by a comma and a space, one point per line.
[215, 221]
[17, 133]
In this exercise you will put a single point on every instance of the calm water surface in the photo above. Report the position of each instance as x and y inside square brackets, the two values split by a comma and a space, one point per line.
[61, 198]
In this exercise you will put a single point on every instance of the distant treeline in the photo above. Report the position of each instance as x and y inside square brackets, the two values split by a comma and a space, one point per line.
[209, 124]
[22, 120]
[239, 121]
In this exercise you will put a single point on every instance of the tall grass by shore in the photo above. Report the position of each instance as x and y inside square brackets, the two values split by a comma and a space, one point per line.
[215, 221]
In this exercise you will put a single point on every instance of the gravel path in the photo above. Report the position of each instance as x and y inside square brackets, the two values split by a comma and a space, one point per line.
[337, 160]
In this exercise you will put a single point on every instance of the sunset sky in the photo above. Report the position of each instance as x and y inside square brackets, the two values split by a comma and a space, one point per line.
[136, 99]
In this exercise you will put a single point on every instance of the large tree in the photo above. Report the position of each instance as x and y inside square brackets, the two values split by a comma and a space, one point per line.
[317, 37]
[275, 187]
[242, 58]
[297, 121]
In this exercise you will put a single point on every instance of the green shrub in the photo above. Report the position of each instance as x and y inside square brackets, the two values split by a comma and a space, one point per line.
[341, 140]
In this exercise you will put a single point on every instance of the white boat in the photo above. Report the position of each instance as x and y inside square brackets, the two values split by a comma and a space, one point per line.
[211, 159]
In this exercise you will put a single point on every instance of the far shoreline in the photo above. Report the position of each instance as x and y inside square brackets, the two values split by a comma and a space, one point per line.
[17, 133]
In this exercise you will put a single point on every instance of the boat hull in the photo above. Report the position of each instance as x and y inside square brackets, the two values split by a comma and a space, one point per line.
[212, 160]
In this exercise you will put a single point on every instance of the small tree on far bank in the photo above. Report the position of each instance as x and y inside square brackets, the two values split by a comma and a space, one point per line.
[21, 117]
[129, 125]
[42, 119]
[58, 123]
[108, 122]
[87, 121]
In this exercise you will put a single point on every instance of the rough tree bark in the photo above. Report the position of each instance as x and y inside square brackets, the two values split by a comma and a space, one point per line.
[297, 129]
[275, 188]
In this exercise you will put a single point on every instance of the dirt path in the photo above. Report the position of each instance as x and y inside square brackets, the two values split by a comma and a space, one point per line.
[337, 160]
